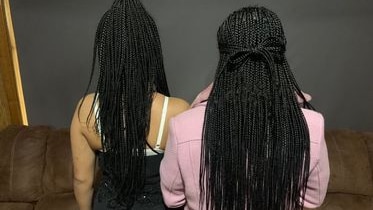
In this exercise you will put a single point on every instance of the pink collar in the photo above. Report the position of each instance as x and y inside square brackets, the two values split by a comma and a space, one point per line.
[204, 95]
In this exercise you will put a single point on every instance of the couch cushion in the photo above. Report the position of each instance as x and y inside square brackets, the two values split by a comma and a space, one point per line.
[22, 157]
[16, 206]
[350, 170]
[337, 201]
[58, 174]
[59, 201]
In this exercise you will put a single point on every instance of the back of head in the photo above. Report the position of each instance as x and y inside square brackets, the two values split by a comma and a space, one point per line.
[255, 148]
[130, 63]
[249, 27]
[127, 44]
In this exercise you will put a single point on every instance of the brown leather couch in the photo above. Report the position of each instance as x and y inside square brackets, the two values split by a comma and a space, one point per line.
[351, 170]
[36, 169]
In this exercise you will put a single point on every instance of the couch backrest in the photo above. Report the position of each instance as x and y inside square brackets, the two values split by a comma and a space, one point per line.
[37, 159]
[34, 160]
[369, 142]
[22, 157]
[58, 173]
[351, 160]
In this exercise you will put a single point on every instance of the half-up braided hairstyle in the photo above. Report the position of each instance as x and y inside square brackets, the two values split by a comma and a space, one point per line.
[130, 63]
[255, 145]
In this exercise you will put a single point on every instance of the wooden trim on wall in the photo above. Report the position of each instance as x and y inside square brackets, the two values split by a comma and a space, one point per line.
[10, 74]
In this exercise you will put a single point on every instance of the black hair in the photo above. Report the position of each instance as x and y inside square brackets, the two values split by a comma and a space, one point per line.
[255, 142]
[128, 49]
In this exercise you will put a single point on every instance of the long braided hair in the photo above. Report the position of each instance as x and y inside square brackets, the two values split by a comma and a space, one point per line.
[131, 70]
[255, 145]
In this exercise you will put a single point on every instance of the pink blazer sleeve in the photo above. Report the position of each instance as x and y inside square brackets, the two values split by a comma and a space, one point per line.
[319, 168]
[171, 182]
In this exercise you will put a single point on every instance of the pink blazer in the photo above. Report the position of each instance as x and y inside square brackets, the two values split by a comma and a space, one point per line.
[180, 166]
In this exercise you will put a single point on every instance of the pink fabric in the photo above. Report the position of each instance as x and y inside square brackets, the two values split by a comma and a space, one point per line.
[180, 166]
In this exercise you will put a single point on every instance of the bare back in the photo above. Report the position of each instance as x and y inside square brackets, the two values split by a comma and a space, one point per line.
[88, 130]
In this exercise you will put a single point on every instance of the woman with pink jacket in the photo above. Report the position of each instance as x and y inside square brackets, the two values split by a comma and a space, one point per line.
[247, 143]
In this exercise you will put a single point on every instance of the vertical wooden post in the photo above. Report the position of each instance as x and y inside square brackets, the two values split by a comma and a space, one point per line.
[12, 104]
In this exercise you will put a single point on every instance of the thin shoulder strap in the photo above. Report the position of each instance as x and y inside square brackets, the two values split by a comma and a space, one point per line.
[97, 116]
[161, 124]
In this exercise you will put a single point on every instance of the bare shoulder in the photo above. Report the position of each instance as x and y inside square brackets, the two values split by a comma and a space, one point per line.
[82, 110]
[178, 102]
[178, 105]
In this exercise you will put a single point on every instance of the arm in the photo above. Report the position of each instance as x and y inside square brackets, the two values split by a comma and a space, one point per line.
[319, 176]
[171, 182]
[83, 163]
